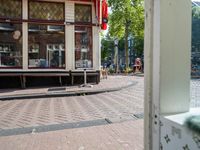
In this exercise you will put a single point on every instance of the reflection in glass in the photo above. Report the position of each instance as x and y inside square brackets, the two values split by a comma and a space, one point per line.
[83, 47]
[10, 45]
[46, 46]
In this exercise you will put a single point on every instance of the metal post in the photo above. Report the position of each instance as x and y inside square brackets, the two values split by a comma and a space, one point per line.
[116, 56]
[85, 77]
[85, 80]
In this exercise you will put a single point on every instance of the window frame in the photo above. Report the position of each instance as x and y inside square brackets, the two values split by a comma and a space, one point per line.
[14, 19]
[48, 22]
[92, 61]
[49, 43]
[81, 22]
[44, 20]
[19, 23]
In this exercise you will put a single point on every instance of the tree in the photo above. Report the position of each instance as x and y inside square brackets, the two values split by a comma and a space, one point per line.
[106, 48]
[195, 34]
[195, 27]
[195, 12]
[127, 18]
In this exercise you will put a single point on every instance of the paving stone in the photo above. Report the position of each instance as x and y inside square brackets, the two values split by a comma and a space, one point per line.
[117, 105]
[127, 135]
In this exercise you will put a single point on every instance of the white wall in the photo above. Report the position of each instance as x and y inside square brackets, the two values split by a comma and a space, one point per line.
[69, 11]
[96, 49]
[25, 35]
[70, 47]
[175, 49]
[167, 63]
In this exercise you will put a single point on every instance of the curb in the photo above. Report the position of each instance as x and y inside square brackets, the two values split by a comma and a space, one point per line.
[138, 74]
[53, 127]
[64, 94]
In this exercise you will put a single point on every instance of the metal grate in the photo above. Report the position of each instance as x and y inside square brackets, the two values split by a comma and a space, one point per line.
[138, 116]
[57, 89]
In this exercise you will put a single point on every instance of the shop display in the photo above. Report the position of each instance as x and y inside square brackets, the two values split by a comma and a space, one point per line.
[9, 56]
[55, 55]
[46, 46]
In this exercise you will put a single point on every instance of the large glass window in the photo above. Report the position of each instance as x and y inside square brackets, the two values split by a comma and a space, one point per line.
[11, 9]
[83, 37]
[83, 47]
[83, 13]
[46, 46]
[46, 11]
[10, 45]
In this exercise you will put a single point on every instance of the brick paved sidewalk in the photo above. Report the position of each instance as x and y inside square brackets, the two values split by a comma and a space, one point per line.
[120, 136]
[116, 106]
[113, 82]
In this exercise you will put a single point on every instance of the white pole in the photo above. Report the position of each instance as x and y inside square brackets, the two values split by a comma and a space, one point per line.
[85, 77]
[85, 80]
[0, 59]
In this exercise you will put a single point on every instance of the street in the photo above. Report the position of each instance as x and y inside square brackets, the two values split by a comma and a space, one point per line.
[107, 117]
[111, 120]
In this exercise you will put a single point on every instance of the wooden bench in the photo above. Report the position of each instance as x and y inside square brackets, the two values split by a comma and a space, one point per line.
[13, 74]
[88, 73]
[24, 74]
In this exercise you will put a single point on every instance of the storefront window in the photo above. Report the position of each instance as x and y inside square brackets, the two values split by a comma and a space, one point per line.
[83, 47]
[46, 11]
[46, 46]
[10, 45]
[83, 13]
[11, 9]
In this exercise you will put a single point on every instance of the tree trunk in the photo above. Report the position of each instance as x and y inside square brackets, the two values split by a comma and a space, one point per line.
[126, 48]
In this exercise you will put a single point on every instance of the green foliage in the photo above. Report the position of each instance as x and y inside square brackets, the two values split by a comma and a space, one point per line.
[128, 70]
[196, 12]
[111, 71]
[126, 13]
[127, 18]
[107, 47]
[195, 28]
[139, 46]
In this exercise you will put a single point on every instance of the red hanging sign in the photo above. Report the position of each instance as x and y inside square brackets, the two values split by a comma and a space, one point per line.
[104, 15]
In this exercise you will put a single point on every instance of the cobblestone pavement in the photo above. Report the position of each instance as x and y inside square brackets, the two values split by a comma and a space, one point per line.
[112, 82]
[120, 136]
[116, 106]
